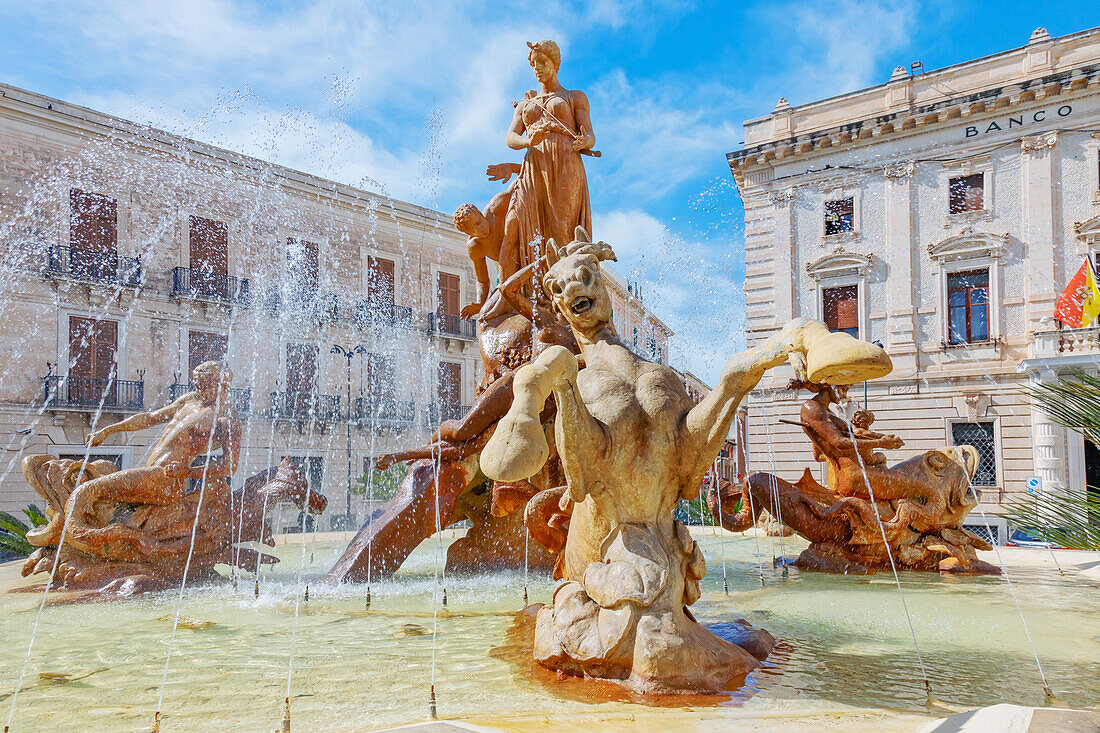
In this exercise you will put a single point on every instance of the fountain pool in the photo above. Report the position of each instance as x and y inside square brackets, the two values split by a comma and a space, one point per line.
[845, 659]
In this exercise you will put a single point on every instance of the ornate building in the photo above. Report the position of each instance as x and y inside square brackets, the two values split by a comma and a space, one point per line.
[941, 213]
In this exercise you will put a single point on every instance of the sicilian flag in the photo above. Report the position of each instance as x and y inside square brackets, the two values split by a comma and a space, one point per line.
[1079, 305]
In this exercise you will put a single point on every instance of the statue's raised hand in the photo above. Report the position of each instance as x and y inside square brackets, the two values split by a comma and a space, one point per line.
[96, 439]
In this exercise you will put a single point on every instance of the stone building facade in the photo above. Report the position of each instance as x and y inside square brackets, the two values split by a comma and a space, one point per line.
[941, 214]
[130, 255]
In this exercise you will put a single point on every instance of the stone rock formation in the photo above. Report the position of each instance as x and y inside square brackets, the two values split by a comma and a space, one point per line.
[917, 506]
[132, 530]
[632, 444]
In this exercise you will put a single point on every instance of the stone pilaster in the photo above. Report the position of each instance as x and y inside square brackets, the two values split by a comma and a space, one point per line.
[785, 262]
[1048, 442]
[899, 253]
[1038, 204]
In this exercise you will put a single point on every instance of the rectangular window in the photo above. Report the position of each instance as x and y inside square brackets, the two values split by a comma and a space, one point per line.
[841, 309]
[302, 272]
[447, 292]
[450, 382]
[208, 245]
[93, 348]
[301, 368]
[379, 280]
[93, 235]
[966, 193]
[979, 435]
[968, 306]
[380, 377]
[203, 347]
[839, 216]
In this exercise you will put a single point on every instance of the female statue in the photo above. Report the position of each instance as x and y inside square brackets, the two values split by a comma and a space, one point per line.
[551, 197]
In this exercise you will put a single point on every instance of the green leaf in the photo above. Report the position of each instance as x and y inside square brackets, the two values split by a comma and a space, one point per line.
[36, 516]
[11, 542]
[13, 525]
[1071, 520]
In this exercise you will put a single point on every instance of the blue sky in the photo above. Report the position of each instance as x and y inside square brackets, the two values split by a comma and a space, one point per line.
[413, 98]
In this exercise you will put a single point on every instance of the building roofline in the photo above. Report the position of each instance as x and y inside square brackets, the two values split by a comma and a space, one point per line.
[932, 72]
[887, 115]
[62, 109]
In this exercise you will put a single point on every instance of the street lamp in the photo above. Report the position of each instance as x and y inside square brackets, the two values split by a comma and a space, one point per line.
[348, 352]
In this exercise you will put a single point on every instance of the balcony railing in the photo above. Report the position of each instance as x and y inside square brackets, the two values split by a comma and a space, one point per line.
[456, 326]
[323, 306]
[91, 392]
[95, 266]
[1065, 342]
[213, 285]
[440, 413]
[376, 314]
[305, 406]
[383, 413]
[241, 398]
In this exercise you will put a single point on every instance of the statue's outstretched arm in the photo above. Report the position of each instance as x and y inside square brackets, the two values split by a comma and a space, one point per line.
[814, 352]
[518, 448]
[136, 422]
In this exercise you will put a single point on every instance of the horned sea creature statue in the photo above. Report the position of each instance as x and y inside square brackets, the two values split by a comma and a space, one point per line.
[632, 444]
[869, 514]
[133, 530]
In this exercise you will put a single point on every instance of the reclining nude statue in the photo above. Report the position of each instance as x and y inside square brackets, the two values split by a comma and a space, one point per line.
[918, 506]
[632, 443]
[131, 530]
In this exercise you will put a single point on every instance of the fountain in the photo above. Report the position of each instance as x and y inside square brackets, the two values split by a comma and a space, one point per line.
[578, 492]
[869, 515]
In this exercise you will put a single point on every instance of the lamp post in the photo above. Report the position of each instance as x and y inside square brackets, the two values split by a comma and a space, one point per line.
[349, 353]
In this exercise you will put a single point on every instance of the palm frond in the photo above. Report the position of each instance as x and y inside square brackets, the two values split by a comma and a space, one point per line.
[1072, 402]
[11, 524]
[15, 544]
[36, 516]
[1071, 520]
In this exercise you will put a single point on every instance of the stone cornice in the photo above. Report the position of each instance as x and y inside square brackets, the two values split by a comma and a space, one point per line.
[840, 263]
[968, 245]
[904, 122]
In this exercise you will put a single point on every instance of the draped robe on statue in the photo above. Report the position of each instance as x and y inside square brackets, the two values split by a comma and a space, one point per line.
[551, 197]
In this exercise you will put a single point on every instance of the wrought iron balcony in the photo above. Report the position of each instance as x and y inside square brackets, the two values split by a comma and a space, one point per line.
[440, 413]
[91, 393]
[382, 314]
[305, 406]
[453, 326]
[241, 398]
[322, 306]
[383, 413]
[193, 283]
[94, 266]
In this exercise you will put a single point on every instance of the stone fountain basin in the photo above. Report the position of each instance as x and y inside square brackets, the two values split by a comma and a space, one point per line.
[845, 662]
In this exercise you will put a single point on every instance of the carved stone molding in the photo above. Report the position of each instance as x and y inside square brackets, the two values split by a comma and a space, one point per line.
[972, 406]
[839, 239]
[900, 171]
[967, 245]
[779, 198]
[1088, 233]
[1039, 143]
[840, 263]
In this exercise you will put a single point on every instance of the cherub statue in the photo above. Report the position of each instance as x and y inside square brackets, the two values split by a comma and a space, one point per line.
[484, 232]
[633, 443]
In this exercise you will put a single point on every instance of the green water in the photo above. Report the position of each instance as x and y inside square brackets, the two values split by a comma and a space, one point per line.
[844, 643]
